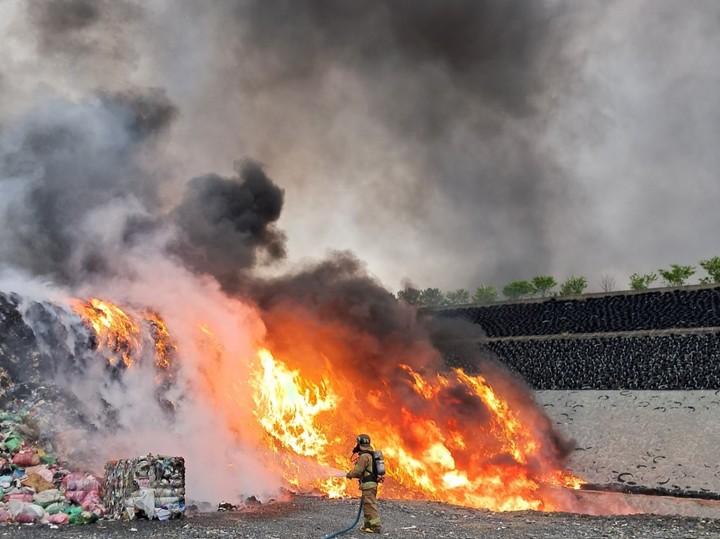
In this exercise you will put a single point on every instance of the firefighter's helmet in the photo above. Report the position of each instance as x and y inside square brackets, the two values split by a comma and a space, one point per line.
[363, 439]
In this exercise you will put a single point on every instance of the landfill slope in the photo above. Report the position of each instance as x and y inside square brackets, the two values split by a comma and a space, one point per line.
[655, 439]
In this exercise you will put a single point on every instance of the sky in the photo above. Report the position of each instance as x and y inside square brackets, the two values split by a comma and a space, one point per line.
[444, 144]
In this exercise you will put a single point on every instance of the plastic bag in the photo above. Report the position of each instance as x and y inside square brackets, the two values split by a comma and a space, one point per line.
[13, 443]
[57, 507]
[10, 417]
[83, 517]
[47, 497]
[73, 513]
[37, 483]
[80, 481]
[42, 470]
[22, 497]
[58, 518]
[145, 502]
[91, 499]
[48, 459]
[25, 513]
[26, 458]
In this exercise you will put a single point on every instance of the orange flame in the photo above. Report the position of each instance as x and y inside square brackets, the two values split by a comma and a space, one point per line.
[449, 437]
[453, 466]
[289, 408]
[115, 330]
[121, 333]
[164, 345]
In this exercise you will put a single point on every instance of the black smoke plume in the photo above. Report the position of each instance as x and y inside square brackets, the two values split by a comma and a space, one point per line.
[225, 221]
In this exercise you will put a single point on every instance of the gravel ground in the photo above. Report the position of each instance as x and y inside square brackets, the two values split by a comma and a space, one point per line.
[315, 517]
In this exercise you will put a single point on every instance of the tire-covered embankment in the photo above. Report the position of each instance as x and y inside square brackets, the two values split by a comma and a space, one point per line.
[633, 378]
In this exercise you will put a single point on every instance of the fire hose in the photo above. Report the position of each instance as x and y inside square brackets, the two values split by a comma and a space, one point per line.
[357, 519]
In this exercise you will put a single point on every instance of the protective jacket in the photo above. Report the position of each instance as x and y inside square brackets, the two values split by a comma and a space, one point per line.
[363, 469]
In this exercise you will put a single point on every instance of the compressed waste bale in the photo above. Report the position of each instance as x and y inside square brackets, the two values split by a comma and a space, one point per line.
[149, 486]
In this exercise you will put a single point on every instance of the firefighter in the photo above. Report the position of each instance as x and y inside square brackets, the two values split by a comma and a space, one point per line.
[364, 472]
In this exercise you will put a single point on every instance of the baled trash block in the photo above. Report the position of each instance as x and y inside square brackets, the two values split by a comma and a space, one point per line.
[152, 487]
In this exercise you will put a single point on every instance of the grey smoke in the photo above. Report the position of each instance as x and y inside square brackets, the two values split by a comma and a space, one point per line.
[79, 196]
[452, 143]
[408, 131]
[66, 169]
[458, 91]
[91, 31]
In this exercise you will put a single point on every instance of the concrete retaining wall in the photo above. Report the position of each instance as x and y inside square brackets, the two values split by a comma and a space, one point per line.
[654, 439]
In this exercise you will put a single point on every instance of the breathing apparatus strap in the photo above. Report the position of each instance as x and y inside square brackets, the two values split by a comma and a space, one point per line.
[369, 476]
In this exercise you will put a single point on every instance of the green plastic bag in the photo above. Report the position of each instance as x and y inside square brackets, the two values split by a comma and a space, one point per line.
[48, 459]
[7, 416]
[13, 443]
[74, 513]
[56, 507]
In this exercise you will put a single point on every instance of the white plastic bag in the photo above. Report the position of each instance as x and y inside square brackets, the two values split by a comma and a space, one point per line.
[145, 501]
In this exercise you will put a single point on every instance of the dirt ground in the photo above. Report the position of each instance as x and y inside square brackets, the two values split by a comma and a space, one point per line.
[310, 517]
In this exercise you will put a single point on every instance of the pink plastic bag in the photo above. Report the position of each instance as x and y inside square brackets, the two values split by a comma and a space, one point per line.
[25, 513]
[25, 518]
[26, 458]
[90, 500]
[98, 510]
[80, 481]
[27, 498]
[76, 496]
[58, 518]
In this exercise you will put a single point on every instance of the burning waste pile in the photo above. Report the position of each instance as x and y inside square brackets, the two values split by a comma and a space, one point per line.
[69, 371]
[134, 323]
[41, 428]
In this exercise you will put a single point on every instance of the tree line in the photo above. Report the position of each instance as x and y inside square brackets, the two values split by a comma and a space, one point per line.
[544, 285]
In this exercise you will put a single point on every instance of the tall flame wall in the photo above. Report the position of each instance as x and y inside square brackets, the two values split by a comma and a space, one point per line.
[633, 378]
